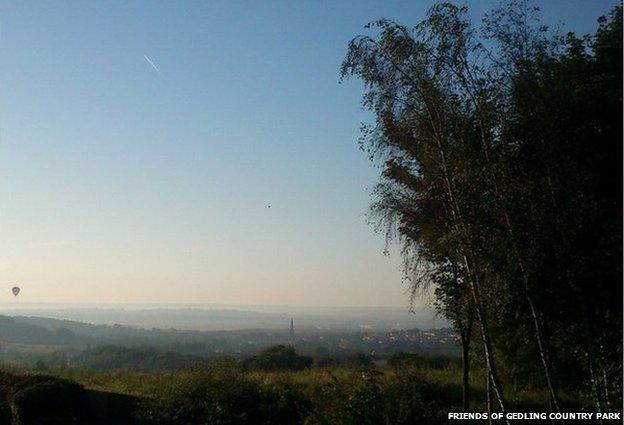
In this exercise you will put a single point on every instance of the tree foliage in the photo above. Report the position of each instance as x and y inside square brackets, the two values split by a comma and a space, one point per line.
[278, 357]
[500, 149]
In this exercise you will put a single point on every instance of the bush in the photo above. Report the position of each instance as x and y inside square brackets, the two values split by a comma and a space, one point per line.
[49, 402]
[395, 401]
[409, 400]
[279, 357]
[411, 360]
[222, 394]
[40, 399]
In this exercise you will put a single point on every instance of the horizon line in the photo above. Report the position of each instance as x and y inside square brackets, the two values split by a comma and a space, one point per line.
[199, 305]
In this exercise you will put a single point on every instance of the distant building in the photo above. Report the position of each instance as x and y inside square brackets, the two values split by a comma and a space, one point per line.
[292, 332]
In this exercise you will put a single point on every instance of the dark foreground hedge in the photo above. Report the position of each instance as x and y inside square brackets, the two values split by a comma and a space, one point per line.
[32, 399]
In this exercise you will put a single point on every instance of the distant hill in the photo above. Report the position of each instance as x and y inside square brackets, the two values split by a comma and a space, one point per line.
[20, 331]
[56, 342]
[239, 318]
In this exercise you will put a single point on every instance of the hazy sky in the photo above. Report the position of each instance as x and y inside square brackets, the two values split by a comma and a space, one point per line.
[141, 143]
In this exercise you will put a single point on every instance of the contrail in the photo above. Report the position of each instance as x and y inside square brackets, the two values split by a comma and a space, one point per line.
[151, 63]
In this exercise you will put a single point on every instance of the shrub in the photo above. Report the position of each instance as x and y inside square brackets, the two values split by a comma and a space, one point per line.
[222, 394]
[398, 400]
[279, 357]
[411, 360]
[40, 399]
[49, 402]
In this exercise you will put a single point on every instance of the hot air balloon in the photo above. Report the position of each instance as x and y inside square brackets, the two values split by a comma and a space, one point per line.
[15, 290]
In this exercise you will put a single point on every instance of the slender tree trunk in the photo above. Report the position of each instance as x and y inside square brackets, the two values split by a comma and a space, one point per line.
[525, 276]
[605, 382]
[466, 376]
[589, 352]
[487, 344]
[465, 340]
[468, 82]
[589, 349]
[488, 394]
[473, 282]
[527, 292]
[457, 221]
[594, 384]
[535, 319]
[542, 353]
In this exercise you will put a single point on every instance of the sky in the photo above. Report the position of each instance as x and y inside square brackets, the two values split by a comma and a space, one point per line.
[142, 143]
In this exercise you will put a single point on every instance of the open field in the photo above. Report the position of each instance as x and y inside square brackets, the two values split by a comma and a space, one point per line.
[224, 392]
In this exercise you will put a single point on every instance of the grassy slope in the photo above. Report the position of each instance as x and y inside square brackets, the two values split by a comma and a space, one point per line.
[447, 380]
[314, 396]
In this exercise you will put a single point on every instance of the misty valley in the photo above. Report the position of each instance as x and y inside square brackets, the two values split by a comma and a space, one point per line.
[45, 342]
[113, 373]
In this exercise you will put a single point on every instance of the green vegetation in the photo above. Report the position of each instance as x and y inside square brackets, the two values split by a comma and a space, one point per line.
[34, 399]
[29, 340]
[501, 164]
[500, 154]
[279, 357]
[411, 360]
[110, 357]
[226, 392]
[28, 395]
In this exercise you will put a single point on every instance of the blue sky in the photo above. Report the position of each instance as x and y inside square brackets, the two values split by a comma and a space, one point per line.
[123, 183]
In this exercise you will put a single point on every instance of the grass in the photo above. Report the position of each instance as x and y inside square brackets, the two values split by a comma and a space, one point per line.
[448, 380]
[225, 393]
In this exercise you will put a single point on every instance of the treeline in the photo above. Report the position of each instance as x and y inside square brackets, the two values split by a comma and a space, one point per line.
[12, 330]
[149, 359]
[22, 338]
[111, 358]
[144, 359]
[500, 151]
